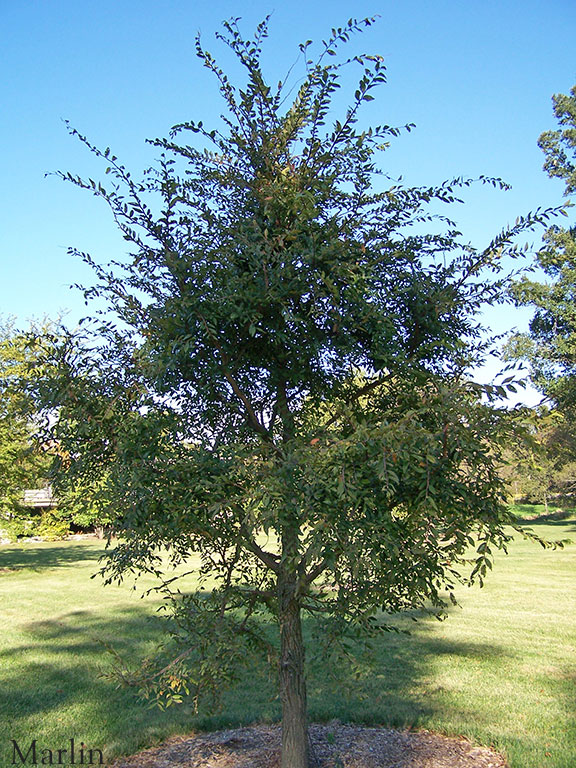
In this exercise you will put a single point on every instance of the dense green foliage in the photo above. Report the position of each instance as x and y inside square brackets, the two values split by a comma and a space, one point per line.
[550, 346]
[547, 469]
[278, 385]
[559, 146]
[541, 468]
[26, 460]
[23, 462]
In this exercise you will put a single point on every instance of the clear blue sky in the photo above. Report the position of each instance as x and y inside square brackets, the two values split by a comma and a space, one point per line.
[475, 77]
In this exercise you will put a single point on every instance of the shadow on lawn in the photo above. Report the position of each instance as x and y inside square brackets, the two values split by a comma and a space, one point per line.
[51, 686]
[38, 557]
[67, 655]
[558, 517]
[52, 689]
[563, 526]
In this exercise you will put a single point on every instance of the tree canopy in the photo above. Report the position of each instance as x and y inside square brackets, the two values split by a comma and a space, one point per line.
[550, 345]
[23, 462]
[540, 468]
[278, 384]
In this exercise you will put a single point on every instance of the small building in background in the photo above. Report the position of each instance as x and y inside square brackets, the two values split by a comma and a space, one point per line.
[39, 498]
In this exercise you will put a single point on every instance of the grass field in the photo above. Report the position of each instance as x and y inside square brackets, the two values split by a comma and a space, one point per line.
[501, 670]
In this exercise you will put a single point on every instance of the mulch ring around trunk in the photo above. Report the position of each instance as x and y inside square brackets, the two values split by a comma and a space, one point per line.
[333, 746]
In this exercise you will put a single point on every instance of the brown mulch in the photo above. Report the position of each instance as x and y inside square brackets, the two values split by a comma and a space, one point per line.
[334, 746]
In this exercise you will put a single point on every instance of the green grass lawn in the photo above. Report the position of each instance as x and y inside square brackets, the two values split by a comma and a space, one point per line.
[501, 670]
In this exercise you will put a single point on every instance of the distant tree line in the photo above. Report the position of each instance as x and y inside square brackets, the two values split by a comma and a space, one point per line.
[545, 468]
[26, 461]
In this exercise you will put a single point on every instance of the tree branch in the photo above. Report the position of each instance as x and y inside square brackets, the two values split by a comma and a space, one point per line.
[267, 558]
[313, 574]
[253, 420]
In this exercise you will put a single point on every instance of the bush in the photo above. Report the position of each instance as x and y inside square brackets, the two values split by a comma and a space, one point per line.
[51, 527]
[48, 525]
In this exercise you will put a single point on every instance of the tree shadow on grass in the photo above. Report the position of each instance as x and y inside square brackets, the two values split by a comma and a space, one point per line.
[558, 517]
[52, 689]
[51, 686]
[395, 685]
[566, 527]
[41, 557]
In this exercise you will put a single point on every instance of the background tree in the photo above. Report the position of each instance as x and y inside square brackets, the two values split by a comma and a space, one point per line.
[540, 469]
[23, 462]
[85, 505]
[550, 346]
[26, 460]
[278, 384]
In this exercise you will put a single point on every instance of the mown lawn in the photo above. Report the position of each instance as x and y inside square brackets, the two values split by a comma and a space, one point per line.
[501, 670]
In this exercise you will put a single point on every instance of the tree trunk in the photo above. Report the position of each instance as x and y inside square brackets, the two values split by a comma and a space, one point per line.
[295, 753]
[292, 680]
